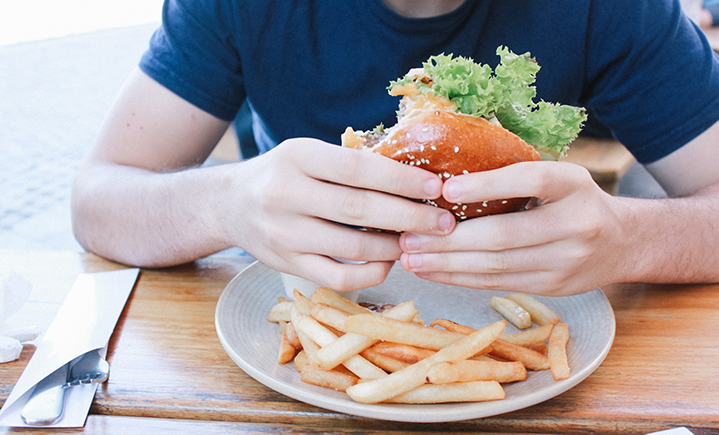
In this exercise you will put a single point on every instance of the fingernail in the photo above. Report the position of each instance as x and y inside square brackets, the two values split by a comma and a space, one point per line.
[446, 221]
[453, 191]
[411, 242]
[432, 188]
[415, 261]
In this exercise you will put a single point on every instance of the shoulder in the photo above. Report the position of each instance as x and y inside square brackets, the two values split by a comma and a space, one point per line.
[650, 75]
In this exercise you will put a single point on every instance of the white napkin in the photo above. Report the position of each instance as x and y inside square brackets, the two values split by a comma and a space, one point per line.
[14, 292]
[84, 322]
[675, 431]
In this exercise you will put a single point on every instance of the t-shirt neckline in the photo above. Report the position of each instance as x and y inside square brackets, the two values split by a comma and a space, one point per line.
[441, 23]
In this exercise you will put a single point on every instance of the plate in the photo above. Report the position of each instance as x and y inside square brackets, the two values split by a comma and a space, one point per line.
[251, 341]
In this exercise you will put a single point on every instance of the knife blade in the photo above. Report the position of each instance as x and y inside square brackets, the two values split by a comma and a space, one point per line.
[46, 404]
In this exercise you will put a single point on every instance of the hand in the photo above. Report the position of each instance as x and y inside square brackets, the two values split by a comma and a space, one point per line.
[568, 243]
[300, 197]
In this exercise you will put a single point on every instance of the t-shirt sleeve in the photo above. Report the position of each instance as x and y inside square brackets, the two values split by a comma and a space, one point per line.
[194, 55]
[651, 76]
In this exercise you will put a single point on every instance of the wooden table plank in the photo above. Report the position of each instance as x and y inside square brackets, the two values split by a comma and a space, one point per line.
[103, 424]
[167, 362]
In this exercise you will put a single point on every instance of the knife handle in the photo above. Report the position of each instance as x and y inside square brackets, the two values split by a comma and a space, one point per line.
[45, 405]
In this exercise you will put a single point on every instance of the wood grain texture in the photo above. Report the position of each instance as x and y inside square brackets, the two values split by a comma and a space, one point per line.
[167, 363]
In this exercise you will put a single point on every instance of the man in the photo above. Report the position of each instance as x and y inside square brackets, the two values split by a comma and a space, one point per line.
[309, 69]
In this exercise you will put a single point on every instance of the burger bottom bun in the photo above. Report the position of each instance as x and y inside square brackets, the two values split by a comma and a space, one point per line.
[467, 211]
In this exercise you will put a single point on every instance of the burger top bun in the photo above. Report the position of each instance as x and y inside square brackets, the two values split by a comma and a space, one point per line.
[432, 135]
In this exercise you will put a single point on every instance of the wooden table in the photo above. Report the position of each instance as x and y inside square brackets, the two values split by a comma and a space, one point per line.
[170, 374]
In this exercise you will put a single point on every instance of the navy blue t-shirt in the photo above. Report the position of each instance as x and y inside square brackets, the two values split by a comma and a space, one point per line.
[312, 68]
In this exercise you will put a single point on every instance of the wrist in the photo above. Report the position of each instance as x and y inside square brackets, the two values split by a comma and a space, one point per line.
[667, 241]
[631, 250]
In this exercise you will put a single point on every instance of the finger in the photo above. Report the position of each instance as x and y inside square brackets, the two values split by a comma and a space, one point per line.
[305, 248]
[339, 241]
[539, 283]
[371, 209]
[367, 170]
[308, 235]
[544, 180]
[531, 259]
[340, 276]
[513, 282]
[493, 233]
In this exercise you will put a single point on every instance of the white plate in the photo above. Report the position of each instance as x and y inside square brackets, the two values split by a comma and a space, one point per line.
[251, 341]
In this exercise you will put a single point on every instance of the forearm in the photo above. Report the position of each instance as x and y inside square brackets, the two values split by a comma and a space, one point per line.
[672, 240]
[149, 219]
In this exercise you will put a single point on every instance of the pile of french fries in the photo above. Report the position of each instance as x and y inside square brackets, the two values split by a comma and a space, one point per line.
[392, 357]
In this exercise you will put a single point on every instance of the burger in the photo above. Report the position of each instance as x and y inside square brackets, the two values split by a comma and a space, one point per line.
[457, 117]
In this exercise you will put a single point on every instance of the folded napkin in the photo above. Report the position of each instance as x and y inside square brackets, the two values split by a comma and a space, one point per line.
[84, 322]
[674, 431]
[14, 292]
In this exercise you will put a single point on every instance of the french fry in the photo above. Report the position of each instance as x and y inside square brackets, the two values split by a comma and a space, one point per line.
[309, 347]
[301, 360]
[330, 316]
[530, 336]
[363, 368]
[472, 370]
[511, 352]
[350, 344]
[280, 312]
[281, 299]
[308, 326]
[383, 328]
[511, 311]
[342, 369]
[327, 378]
[342, 349]
[323, 295]
[484, 351]
[489, 358]
[412, 376]
[338, 344]
[302, 304]
[291, 334]
[402, 352]
[386, 363]
[309, 355]
[539, 347]
[557, 351]
[540, 313]
[451, 326]
[286, 351]
[323, 337]
[403, 312]
[478, 391]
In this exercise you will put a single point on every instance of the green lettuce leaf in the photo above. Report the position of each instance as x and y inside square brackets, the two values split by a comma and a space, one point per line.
[506, 93]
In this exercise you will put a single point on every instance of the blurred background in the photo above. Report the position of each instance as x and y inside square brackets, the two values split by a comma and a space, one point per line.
[61, 64]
